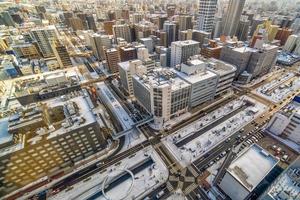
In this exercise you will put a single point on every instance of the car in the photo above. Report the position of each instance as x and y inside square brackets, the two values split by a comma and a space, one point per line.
[223, 153]
[160, 194]
[211, 163]
[284, 158]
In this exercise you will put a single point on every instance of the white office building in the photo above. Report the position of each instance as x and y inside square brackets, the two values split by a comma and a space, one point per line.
[163, 94]
[207, 11]
[181, 51]
[127, 70]
[203, 82]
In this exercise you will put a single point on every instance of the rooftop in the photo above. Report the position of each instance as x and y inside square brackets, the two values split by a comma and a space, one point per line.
[251, 167]
[162, 77]
[185, 43]
[287, 185]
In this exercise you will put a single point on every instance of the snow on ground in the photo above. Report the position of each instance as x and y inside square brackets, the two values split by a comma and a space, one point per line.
[143, 183]
[134, 137]
[276, 90]
[177, 195]
[199, 146]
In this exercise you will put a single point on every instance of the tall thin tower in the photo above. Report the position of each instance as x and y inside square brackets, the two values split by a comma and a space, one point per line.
[207, 10]
[232, 17]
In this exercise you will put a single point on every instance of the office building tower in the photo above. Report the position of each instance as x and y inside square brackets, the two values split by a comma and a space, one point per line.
[137, 17]
[127, 53]
[142, 30]
[127, 70]
[217, 30]
[76, 23]
[98, 43]
[254, 25]
[108, 27]
[185, 22]
[112, 59]
[43, 36]
[170, 29]
[211, 50]
[296, 25]
[207, 11]
[181, 51]
[122, 31]
[142, 54]
[161, 21]
[283, 35]
[47, 139]
[83, 16]
[291, 43]
[91, 22]
[6, 19]
[255, 61]
[26, 50]
[203, 82]
[148, 42]
[61, 54]
[232, 17]
[243, 29]
[201, 36]
[162, 93]
[262, 60]
[185, 35]
[272, 32]
[171, 10]
[67, 16]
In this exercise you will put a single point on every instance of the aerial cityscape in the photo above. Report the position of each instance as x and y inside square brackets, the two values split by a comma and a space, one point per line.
[150, 99]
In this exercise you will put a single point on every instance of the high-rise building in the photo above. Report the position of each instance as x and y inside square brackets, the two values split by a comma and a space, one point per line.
[91, 22]
[207, 11]
[112, 59]
[181, 51]
[122, 31]
[203, 82]
[26, 50]
[76, 23]
[211, 50]
[6, 19]
[58, 133]
[61, 54]
[283, 35]
[161, 21]
[185, 22]
[127, 70]
[201, 36]
[232, 17]
[255, 61]
[217, 30]
[148, 42]
[170, 29]
[137, 17]
[43, 36]
[108, 27]
[162, 93]
[243, 29]
[127, 53]
[98, 43]
[291, 43]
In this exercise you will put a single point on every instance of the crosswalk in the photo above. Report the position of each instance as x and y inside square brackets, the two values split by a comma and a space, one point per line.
[190, 188]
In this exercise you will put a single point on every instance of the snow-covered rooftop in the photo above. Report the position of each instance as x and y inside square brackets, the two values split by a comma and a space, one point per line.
[251, 167]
